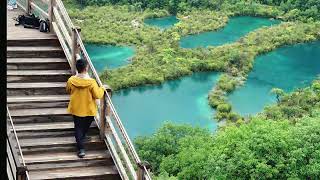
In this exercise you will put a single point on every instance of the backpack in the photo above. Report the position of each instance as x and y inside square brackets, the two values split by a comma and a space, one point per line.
[44, 25]
[28, 21]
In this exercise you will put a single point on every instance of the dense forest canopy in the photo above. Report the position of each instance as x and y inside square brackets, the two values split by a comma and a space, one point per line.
[307, 8]
[282, 142]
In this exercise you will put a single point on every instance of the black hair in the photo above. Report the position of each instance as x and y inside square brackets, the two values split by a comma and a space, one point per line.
[81, 65]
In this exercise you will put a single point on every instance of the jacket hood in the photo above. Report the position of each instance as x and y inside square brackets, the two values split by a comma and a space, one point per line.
[81, 82]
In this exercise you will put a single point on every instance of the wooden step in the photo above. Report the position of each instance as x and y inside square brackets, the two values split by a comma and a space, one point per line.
[38, 75]
[61, 133]
[88, 173]
[42, 105]
[54, 157]
[35, 41]
[37, 99]
[47, 127]
[43, 88]
[68, 148]
[39, 112]
[41, 119]
[35, 102]
[85, 162]
[37, 64]
[56, 142]
[35, 51]
[38, 72]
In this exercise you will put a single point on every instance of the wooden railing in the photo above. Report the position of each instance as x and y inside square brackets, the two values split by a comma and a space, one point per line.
[16, 170]
[111, 128]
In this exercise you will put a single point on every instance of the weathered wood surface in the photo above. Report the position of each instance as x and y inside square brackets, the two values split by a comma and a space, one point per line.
[89, 173]
[46, 98]
[19, 32]
[36, 92]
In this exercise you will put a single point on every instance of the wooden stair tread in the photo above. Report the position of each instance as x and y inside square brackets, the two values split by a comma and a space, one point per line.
[64, 156]
[54, 141]
[75, 173]
[48, 37]
[86, 162]
[47, 126]
[44, 126]
[34, 48]
[36, 60]
[36, 85]
[38, 72]
[38, 112]
[47, 98]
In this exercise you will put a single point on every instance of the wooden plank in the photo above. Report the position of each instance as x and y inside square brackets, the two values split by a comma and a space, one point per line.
[64, 14]
[87, 162]
[34, 48]
[39, 112]
[55, 141]
[10, 173]
[19, 32]
[63, 44]
[50, 98]
[101, 172]
[63, 28]
[53, 157]
[35, 60]
[36, 85]
[45, 126]
[38, 72]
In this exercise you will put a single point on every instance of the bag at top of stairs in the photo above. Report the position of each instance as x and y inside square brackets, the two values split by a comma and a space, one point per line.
[28, 21]
[44, 25]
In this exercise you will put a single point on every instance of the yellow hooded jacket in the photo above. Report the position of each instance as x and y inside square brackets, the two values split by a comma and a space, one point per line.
[84, 92]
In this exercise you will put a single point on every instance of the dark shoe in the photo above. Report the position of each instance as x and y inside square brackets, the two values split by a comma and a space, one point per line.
[87, 139]
[81, 153]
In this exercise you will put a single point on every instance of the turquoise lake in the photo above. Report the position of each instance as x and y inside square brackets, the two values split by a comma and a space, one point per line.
[162, 23]
[287, 68]
[144, 109]
[110, 57]
[236, 28]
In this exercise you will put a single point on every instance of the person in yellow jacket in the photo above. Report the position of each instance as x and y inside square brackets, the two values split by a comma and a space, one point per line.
[83, 92]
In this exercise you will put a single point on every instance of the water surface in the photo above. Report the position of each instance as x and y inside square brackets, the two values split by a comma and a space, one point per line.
[287, 68]
[162, 23]
[144, 109]
[236, 28]
[109, 57]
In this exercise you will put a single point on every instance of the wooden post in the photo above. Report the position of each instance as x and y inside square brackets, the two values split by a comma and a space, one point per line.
[50, 13]
[28, 8]
[21, 173]
[74, 48]
[140, 173]
[102, 116]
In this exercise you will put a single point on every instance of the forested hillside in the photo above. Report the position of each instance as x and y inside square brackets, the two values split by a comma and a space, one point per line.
[307, 8]
[282, 142]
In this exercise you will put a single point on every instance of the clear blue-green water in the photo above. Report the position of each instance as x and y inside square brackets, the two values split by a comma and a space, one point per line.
[144, 109]
[162, 23]
[109, 57]
[287, 68]
[236, 28]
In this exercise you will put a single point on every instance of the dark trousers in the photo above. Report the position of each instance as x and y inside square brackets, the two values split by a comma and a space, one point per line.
[81, 127]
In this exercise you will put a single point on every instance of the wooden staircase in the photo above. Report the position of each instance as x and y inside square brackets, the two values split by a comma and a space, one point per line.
[37, 71]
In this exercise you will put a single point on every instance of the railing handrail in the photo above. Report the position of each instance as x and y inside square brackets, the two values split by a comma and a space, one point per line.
[117, 118]
[65, 24]
[17, 140]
